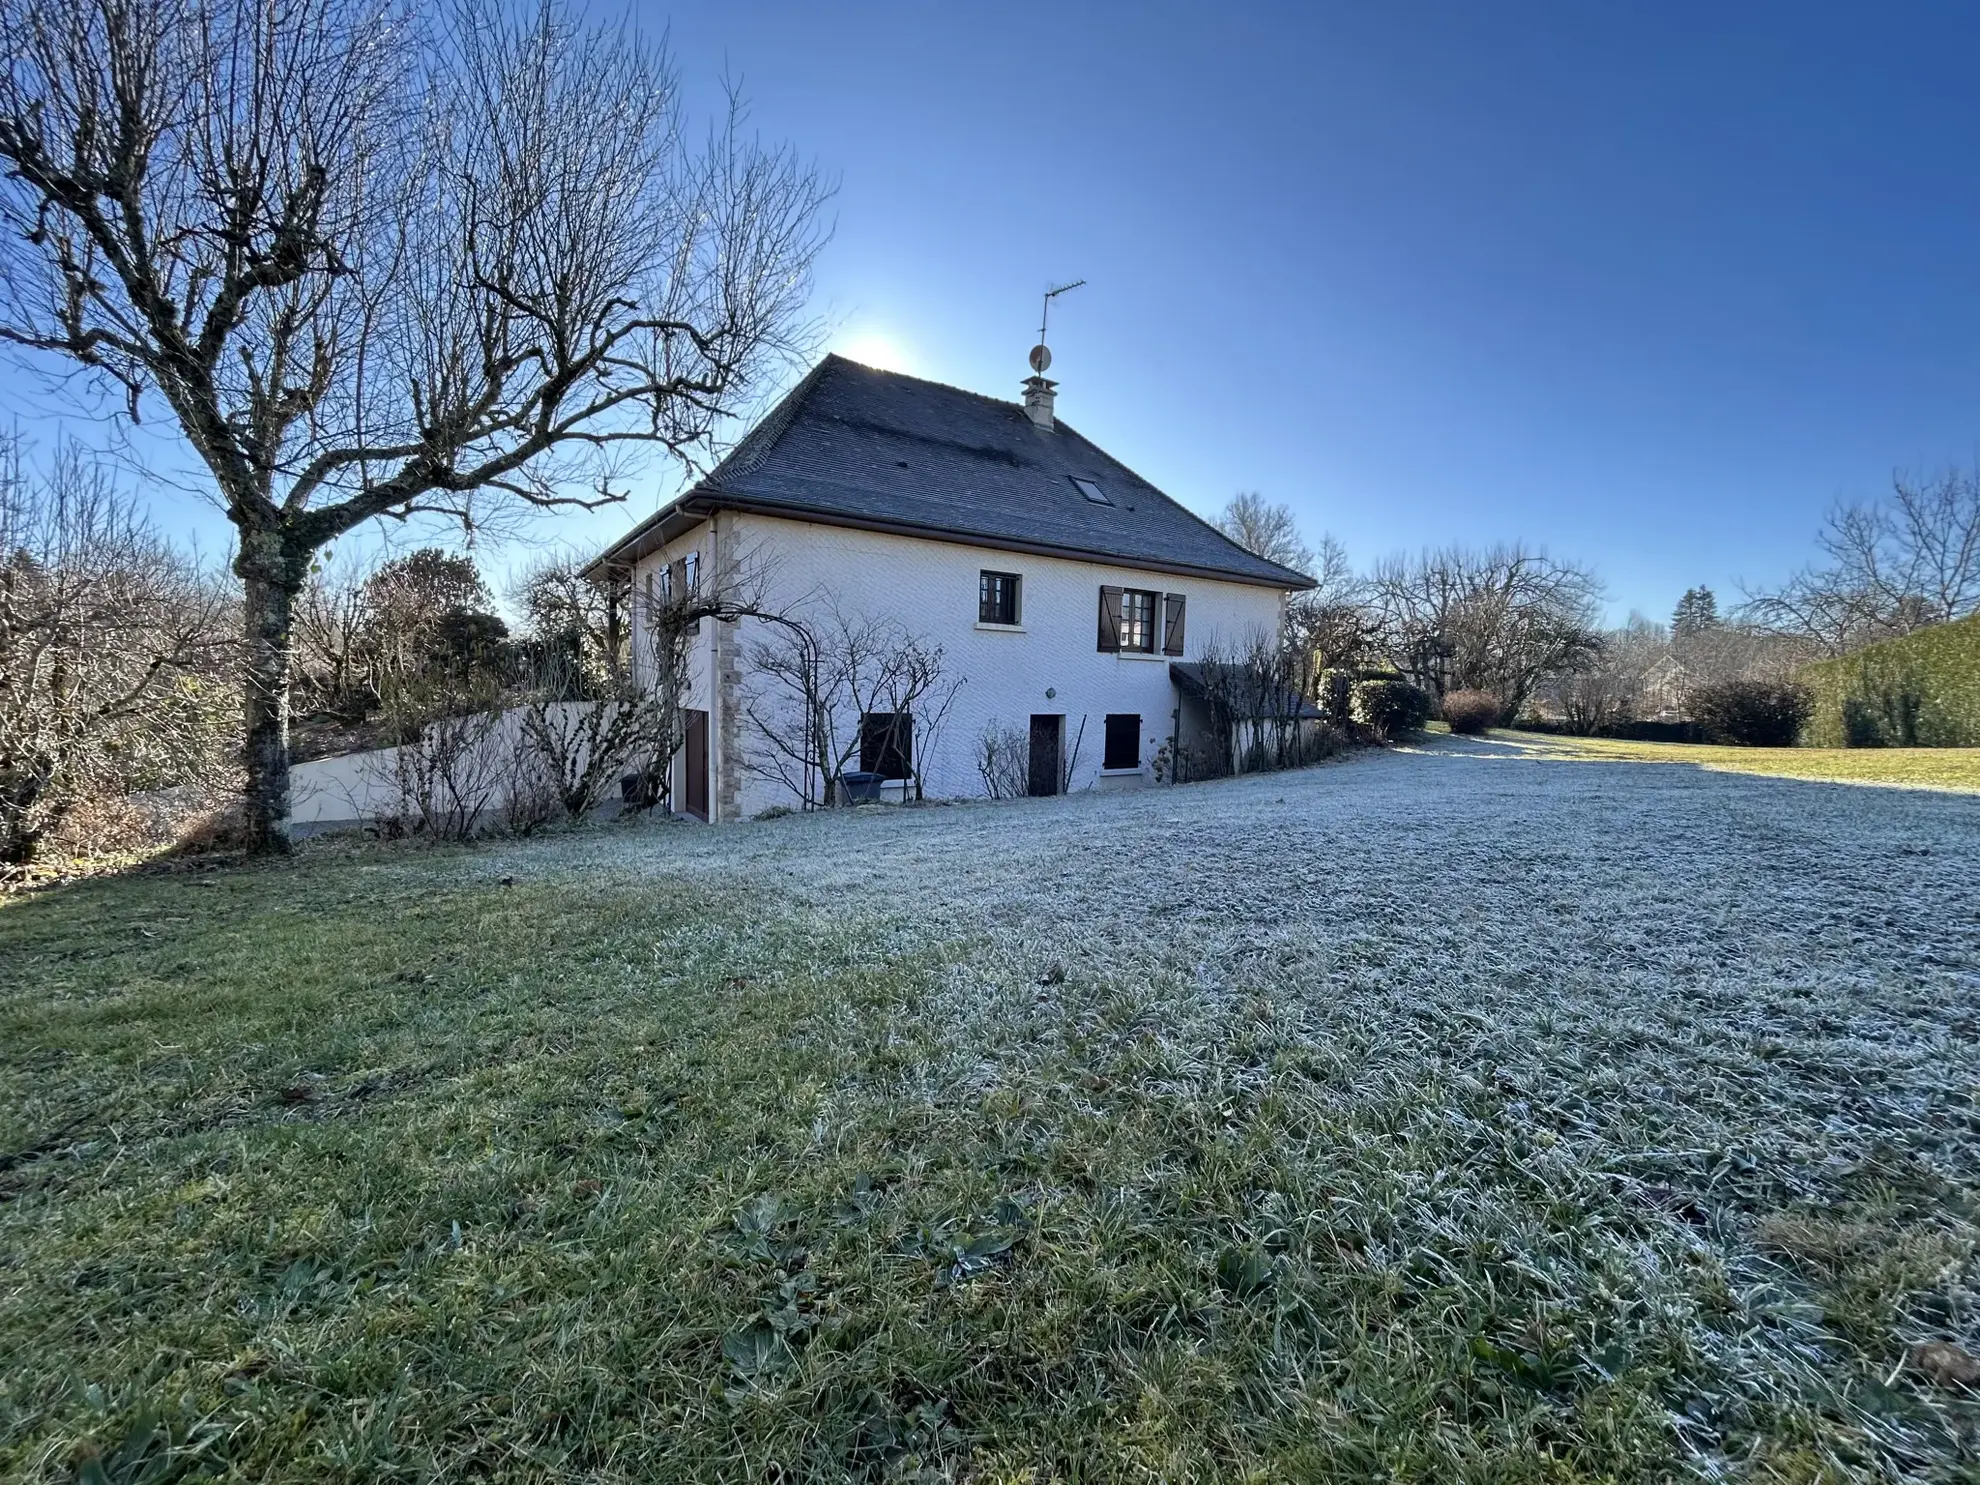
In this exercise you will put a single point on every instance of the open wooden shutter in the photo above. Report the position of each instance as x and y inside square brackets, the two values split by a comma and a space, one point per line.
[1110, 619]
[1173, 605]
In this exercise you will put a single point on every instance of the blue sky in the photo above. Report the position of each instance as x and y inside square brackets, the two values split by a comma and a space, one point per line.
[1651, 285]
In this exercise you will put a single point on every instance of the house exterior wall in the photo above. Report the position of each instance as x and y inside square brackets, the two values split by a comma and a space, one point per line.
[929, 588]
[701, 668]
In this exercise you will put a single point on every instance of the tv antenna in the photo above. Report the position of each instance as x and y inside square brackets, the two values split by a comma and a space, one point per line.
[1041, 358]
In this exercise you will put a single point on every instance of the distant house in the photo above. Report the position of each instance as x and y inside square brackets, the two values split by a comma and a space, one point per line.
[1067, 594]
[1664, 684]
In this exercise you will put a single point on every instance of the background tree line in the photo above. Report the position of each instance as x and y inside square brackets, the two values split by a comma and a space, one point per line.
[1495, 634]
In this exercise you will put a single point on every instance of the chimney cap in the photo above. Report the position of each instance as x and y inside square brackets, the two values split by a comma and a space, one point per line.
[1039, 395]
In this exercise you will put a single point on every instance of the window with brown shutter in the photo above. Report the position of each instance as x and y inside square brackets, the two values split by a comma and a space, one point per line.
[1173, 605]
[1110, 618]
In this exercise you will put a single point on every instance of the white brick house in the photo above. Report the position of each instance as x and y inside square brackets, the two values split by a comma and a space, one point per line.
[1060, 586]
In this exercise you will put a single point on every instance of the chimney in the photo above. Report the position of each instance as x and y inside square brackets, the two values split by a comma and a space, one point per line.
[1038, 397]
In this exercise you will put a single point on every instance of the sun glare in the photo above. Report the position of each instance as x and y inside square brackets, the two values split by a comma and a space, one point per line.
[873, 348]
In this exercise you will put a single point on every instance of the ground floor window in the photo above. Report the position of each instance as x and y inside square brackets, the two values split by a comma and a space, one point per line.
[886, 744]
[1123, 748]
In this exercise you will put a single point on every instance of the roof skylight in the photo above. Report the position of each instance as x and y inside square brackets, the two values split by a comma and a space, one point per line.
[1090, 490]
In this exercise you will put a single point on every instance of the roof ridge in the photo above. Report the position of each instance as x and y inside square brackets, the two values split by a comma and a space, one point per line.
[1064, 427]
[756, 444]
[925, 381]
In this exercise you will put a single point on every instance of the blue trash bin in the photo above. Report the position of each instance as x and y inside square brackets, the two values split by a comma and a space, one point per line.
[858, 787]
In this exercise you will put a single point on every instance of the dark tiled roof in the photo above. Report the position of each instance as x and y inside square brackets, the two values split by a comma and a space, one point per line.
[862, 447]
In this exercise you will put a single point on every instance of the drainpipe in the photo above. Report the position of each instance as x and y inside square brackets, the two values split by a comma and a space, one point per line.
[1175, 743]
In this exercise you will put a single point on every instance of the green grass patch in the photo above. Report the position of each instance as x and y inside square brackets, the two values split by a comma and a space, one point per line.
[1912, 768]
[367, 1169]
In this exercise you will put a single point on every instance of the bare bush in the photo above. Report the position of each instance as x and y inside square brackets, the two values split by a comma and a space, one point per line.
[1003, 761]
[447, 774]
[815, 679]
[1470, 713]
[114, 672]
[1258, 697]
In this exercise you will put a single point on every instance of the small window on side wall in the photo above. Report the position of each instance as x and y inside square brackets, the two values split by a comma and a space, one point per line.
[1123, 744]
[886, 744]
[997, 598]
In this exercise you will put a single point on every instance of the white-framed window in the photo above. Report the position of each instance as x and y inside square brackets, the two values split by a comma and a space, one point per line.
[997, 597]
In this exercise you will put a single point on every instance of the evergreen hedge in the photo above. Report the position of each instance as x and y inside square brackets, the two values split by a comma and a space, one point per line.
[1919, 691]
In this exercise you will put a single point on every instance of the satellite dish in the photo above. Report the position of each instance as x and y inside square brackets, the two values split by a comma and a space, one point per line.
[1041, 359]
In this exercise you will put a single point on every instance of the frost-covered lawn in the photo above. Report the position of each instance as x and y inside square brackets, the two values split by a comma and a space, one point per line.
[1450, 1114]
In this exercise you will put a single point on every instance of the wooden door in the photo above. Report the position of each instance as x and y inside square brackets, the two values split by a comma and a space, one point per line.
[1046, 733]
[694, 765]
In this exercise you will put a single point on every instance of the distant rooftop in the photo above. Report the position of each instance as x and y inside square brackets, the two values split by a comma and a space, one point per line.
[854, 446]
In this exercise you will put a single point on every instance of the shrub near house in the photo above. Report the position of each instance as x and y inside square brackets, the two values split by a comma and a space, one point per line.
[1388, 707]
[1919, 691]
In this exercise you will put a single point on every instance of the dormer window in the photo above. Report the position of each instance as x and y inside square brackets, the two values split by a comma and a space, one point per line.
[1090, 490]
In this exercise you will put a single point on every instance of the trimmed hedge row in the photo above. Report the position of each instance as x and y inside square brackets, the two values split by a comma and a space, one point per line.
[1663, 732]
[1919, 691]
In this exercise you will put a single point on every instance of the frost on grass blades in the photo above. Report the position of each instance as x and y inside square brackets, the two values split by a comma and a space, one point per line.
[1467, 1113]
[1619, 1098]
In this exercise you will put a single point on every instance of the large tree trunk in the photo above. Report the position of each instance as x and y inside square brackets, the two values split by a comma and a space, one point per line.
[271, 579]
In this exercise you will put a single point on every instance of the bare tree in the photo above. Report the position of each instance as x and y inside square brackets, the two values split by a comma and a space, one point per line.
[1267, 530]
[1610, 684]
[112, 654]
[1258, 693]
[589, 720]
[1891, 567]
[334, 670]
[1499, 620]
[374, 264]
[815, 679]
